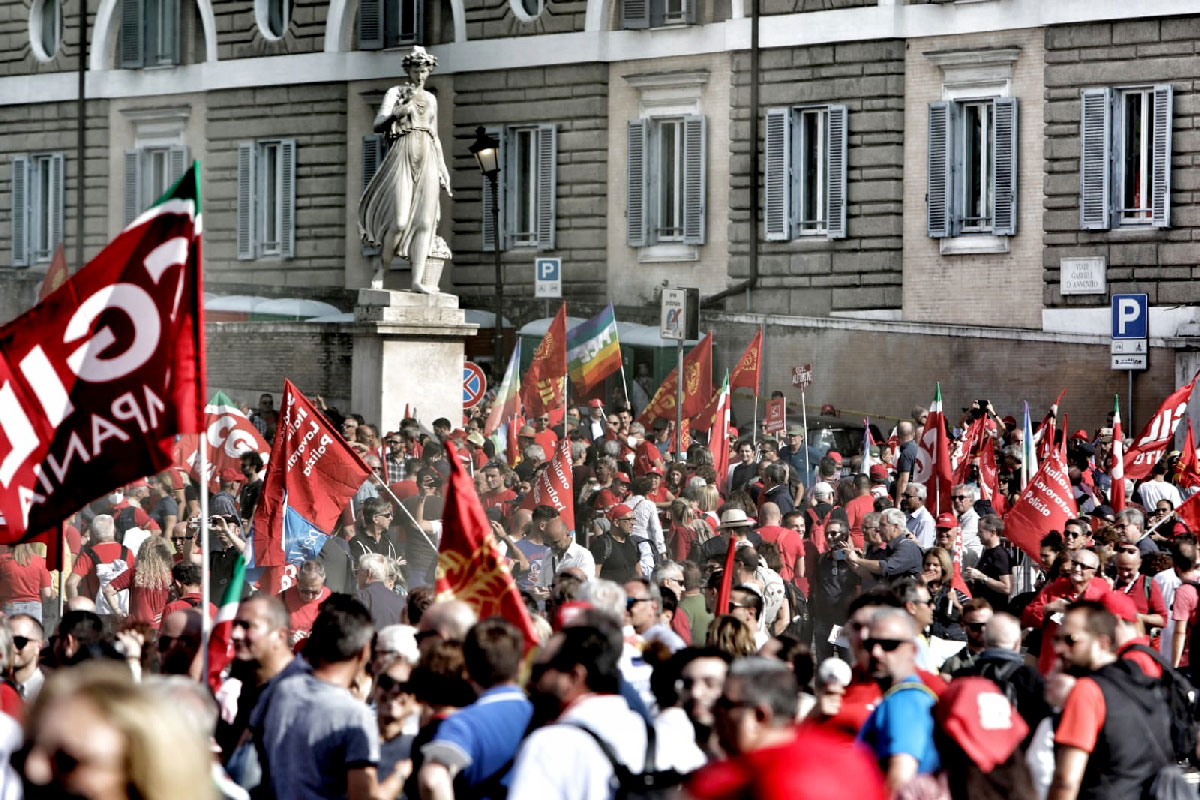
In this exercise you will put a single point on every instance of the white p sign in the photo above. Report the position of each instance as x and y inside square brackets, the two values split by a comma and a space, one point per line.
[1130, 316]
[547, 277]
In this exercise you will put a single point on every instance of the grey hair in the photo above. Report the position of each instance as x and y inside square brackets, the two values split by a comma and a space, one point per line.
[535, 453]
[893, 516]
[693, 485]
[374, 566]
[669, 569]
[770, 683]
[919, 490]
[578, 450]
[7, 655]
[605, 596]
[612, 449]
[1002, 631]
[189, 699]
[884, 614]
[311, 567]
[1133, 517]
[968, 489]
[103, 527]
[637, 428]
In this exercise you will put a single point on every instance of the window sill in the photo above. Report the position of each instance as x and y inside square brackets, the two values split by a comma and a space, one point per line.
[1136, 233]
[973, 244]
[671, 251]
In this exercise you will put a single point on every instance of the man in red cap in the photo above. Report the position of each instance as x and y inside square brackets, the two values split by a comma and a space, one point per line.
[879, 480]
[596, 425]
[1141, 590]
[617, 555]
[657, 493]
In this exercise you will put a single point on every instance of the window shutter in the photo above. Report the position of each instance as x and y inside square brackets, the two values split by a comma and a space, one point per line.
[938, 193]
[689, 11]
[372, 156]
[287, 197]
[418, 20]
[20, 211]
[1095, 136]
[777, 179]
[635, 179]
[694, 173]
[177, 162]
[370, 24]
[1161, 171]
[635, 14]
[547, 149]
[835, 172]
[490, 217]
[130, 38]
[57, 180]
[170, 44]
[1004, 166]
[245, 201]
[133, 184]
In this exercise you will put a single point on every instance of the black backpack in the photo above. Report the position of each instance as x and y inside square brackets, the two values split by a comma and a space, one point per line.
[650, 784]
[126, 519]
[1182, 702]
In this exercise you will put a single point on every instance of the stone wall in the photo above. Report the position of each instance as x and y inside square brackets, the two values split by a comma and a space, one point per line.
[814, 275]
[246, 359]
[238, 34]
[805, 6]
[495, 19]
[16, 53]
[1162, 262]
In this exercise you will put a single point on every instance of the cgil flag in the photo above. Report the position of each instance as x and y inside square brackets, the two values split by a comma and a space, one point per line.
[543, 386]
[697, 386]
[747, 374]
[593, 350]
[1152, 442]
[1187, 468]
[98, 378]
[469, 566]
[508, 398]
[553, 486]
[1044, 505]
[229, 435]
[220, 642]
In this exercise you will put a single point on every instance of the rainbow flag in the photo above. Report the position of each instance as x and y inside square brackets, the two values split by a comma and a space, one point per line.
[593, 352]
[507, 400]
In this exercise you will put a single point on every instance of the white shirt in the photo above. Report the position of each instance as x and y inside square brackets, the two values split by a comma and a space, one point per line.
[645, 522]
[576, 556]
[1153, 491]
[561, 762]
[969, 524]
[922, 526]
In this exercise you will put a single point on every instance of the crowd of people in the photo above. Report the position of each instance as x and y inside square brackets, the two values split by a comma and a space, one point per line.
[802, 625]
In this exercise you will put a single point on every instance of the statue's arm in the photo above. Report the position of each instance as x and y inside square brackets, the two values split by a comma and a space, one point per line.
[387, 109]
[443, 172]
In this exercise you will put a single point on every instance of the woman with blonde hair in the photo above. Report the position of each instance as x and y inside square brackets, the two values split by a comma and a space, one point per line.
[708, 500]
[149, 582]
[93, 732]
[731, 635]
[24, 581]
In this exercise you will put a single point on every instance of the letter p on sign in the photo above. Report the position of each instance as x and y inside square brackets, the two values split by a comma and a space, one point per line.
[1130, 316]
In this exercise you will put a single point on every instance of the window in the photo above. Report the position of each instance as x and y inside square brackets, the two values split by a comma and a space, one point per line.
[805, 181]
[266, 199]
[972, 185]
[526, 188]
[149, 33]
[1125, 166]
[657, 13]
[45, 28]
[666, 181]
[527, 10]
[273, 17]
[390, 23]
[149, 172]
[37, 207]
[373, 151]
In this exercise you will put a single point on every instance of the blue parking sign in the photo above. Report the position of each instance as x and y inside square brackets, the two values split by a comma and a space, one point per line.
[1130, 316]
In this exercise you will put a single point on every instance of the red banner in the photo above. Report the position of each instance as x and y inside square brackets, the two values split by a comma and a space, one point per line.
[1045, 505]
[98, 378]
[554, 488]
[749, 367]
[542, 387]
[933, 459]
[1187, 469]
[1152, 442]
[775, 419]
[229, 435]
[697, 388]
[469, 567]
[312, 474]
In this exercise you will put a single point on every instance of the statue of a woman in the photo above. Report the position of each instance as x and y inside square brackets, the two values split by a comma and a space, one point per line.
[399, 210]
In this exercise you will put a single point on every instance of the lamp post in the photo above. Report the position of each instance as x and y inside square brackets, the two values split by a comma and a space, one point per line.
[487, 155]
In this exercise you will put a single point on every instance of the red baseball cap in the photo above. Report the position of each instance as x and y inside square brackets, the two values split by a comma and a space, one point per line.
[836, 456]
[979, 718]
[879, 472]
[1081, 434]
[653, 469]
[621, 476]
[1121, 605]
[618, 511]
[947, 520]
[595, 403]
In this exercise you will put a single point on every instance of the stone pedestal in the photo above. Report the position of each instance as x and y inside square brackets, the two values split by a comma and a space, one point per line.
[408, 349]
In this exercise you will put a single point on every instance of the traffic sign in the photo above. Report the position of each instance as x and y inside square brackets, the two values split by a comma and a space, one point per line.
[674, 314]
[802, 376]
[1128, 347]
[547, 277]
[1129, 362]
[474, 384]
[1130, 316]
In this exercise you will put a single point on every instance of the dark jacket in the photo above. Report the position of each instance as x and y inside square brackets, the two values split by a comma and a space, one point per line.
[386, 606]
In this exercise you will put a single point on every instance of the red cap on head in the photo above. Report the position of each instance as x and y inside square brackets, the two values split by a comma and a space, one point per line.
[618, 511]
[621, 476]
[879, 472]
[140, 483]
[570, 611]
[595, 404]
[1121, 605]
[836, 456]
[1081, 434]
[947, 520]
[232, 474]
[981, 721]
[653, 469]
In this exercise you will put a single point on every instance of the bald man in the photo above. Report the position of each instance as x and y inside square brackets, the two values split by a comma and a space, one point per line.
[448, 620]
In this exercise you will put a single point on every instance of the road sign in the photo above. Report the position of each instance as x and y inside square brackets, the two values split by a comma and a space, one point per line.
[474, 384]
[674, 314]
[802, 376]
[1129, 347]
[1129, 362]
[547, 278]
[1130, 316]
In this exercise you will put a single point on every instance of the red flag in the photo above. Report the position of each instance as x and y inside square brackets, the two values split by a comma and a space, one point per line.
[697, 388]
[1045, 505]
[1189, 513]
[542, 387]
[957, 581]
[312, 474]
[726, 589]
[98, 379]
[933, 459]
[553, 486]
[747, 373]
[972, 443]
[1187, 469]
[1046, 430]
[469, 567]
[775, 418]
[708, 415]
[1152, 442]
[989, 475]
[56, 275]
[718, 440]
[229, 435]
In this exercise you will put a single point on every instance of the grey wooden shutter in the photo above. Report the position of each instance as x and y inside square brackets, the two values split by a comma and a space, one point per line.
[246, 249]
[287, 197]
[938, 198]
[57, 180]
[635, 181]
[777, 178]
[1160, 201]
[689, 11]
[1095, 173]
[635, 14]
[547, 169]
[695, 169]
[133, 185]
[20, 211]
[132, 55]
[492, 239]
[370, 24]
[1004, 166]
[177, 162]
[418, 20]
[835, 172]
[169, 47]
[372, 156]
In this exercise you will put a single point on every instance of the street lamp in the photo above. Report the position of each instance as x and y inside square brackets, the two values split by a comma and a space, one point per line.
[487, 155]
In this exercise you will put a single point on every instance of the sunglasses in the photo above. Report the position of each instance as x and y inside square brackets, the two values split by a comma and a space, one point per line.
[1069, 639]
[976, 626]
[1084, 566]
[20, 642]
[385, 515]
[1072, 534]
[886, 645]
[630, 602]
[960, 497]
[389, 685]
[182, 538]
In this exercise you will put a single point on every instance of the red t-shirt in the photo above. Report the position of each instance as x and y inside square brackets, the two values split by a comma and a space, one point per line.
[11, 703]
[107, 552]
[856, 509]
[548, 441]
[659, 495]
[303, 613]
[1035, 613]
[22, 584]
[604, 500]
[502, 500]
[183, 604]
[145, 605]
[1082, 716]
[790, 544]
[140, 518]
[1183, 609]
[1146, 662]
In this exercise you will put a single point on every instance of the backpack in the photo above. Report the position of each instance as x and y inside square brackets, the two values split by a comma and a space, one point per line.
[1182, 703]
[125, 520]
[654, 554]
[798, 624]
[1000, 675]
[650, 784]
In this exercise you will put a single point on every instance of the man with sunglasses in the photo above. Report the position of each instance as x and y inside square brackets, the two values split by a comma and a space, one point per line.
[27, 635]
[975, 615]
[303, 600]
[1080, 581]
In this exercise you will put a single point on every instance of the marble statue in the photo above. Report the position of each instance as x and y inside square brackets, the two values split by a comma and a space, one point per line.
[399, 209]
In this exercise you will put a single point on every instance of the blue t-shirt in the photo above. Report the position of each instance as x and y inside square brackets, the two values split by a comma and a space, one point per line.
[481, 738]
[535, 553]
[903, 723]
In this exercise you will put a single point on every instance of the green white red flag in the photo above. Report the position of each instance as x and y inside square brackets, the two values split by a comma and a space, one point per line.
[220, 643]
[933, 459]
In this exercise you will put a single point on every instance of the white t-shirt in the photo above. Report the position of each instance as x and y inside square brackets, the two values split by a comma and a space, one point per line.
[1153, 491]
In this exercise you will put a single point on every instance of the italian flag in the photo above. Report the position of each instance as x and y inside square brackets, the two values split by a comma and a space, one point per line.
[718, 439]
[220, 644]
[1117, 492]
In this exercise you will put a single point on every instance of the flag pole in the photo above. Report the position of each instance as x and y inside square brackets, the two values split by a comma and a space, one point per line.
[205, 565]
[624, 383]
[804, 414]
[411, 518]
[566, 403]
[62, 566]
